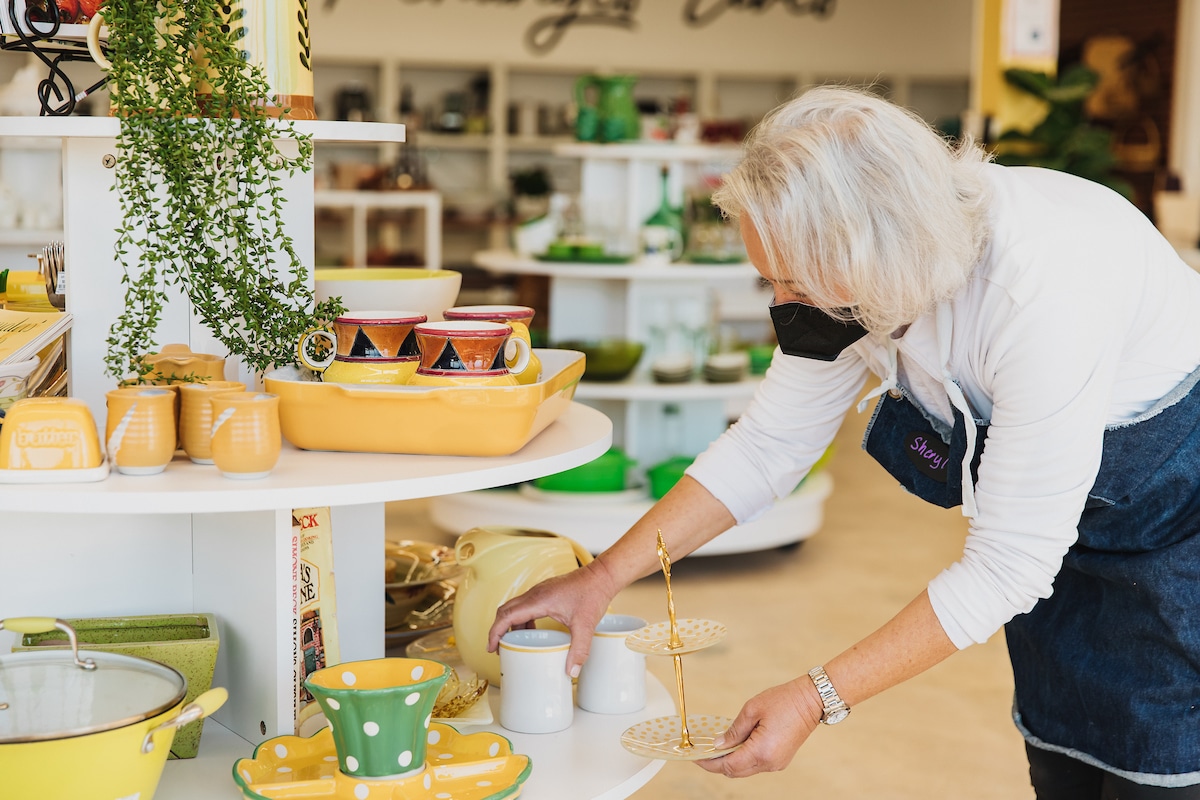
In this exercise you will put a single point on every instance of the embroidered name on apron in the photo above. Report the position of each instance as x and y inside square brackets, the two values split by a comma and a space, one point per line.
[928, 454]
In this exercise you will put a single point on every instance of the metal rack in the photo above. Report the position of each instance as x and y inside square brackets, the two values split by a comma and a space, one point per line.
[37, 33]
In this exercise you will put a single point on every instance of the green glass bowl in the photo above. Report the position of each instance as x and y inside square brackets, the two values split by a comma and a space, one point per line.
[607, 359]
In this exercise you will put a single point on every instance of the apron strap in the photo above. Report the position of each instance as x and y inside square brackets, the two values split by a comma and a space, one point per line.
[889, 383]
[945, 328]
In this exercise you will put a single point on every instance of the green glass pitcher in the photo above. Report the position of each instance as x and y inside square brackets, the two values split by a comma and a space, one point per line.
[612, 115]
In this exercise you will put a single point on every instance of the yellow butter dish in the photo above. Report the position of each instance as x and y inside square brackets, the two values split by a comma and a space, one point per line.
[424, 420]
[50, 440]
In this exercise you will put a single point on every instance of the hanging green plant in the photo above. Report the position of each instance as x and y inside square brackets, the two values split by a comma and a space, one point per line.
[200, 178]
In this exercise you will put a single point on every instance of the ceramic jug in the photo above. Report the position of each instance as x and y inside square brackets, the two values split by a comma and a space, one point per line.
[501, 563]
[613, 117]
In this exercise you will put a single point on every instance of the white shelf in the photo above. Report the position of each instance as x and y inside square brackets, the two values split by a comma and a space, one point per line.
[536, 144]
[642, 387]
[506, 261]
[109, 127]
[318, 478]
[451, 141]
[17, 237]
[584, 762]
[651, 151]
[598, 522]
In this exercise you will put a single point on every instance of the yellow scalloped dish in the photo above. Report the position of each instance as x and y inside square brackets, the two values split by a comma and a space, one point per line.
[478, 766]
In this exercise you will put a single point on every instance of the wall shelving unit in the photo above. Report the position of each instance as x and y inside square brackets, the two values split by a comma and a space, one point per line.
[636, 301]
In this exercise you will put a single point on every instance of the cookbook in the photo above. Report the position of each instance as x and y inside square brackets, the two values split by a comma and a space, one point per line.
[315, 626]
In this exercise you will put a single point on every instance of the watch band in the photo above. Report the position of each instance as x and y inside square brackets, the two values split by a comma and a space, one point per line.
[834, 709]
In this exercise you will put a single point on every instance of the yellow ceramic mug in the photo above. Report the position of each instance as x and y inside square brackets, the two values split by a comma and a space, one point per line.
[469, 353]
[366, 347]
[140, 432]
[518, 317]
[195, 416]
[245, 434]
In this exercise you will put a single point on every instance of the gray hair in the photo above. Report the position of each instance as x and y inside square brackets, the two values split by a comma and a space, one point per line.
[852, 195]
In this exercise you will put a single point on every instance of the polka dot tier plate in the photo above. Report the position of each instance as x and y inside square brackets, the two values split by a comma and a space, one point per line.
[478, 766]
[695, 634]
[662, 738]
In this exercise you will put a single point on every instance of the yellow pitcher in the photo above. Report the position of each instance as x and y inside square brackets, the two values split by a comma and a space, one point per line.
[501, 563]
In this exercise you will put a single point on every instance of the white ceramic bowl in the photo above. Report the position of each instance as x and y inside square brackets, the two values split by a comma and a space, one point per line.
[428, 291]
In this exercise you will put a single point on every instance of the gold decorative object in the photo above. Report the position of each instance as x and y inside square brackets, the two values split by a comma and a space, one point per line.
[682, 737]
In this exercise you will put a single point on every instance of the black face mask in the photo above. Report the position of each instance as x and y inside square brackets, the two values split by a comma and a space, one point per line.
[809, 332]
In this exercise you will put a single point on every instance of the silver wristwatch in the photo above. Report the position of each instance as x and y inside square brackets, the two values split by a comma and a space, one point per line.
[834, 708]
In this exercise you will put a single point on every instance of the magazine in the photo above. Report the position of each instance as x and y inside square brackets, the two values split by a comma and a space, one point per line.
[24, 333]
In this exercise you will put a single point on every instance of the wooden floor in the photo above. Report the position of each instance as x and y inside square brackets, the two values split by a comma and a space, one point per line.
[945, 734]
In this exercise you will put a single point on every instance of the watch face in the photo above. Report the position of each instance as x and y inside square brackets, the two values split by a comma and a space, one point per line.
[834, 716]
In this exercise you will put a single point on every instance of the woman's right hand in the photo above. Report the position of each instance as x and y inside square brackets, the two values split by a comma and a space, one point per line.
[577, 599]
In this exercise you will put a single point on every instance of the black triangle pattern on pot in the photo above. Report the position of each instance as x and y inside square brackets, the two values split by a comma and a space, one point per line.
[499, 362]
[410, 346]
[363, 347]
[449, 359]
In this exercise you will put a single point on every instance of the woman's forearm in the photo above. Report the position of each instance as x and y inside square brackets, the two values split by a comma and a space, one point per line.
[688, 516]
[907, 645]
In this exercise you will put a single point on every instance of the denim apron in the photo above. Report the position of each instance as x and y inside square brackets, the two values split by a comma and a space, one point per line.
[1107, 669]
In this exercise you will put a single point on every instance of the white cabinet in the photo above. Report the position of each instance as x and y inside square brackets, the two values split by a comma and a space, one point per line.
[651, 421]
[189, 540]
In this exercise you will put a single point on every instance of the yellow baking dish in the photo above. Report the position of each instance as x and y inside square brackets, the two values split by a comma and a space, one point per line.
[439, 420]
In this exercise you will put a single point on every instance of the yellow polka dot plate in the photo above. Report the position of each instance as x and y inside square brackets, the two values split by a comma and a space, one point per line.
[662, 738]
[478, 766]
[695, 634]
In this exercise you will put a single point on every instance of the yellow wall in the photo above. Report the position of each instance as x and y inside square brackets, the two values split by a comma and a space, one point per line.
[1008, 107]
[860, 37]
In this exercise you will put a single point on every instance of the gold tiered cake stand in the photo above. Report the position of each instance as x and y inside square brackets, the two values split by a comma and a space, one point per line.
[684, 737]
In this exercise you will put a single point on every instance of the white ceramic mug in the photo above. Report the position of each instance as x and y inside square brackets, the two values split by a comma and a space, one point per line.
[613, 679]
[535, 690]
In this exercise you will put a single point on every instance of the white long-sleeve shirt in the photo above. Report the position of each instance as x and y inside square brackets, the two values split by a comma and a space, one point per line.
[1079, 316]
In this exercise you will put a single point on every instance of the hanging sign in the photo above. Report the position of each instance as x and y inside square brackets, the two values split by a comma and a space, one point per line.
[545, 32]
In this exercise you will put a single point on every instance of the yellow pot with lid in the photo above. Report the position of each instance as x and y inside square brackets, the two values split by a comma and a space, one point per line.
[87, 723]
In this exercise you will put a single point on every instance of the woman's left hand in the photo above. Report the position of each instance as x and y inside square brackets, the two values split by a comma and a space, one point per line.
[771, 728]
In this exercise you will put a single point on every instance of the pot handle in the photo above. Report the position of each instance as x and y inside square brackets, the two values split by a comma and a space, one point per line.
[198, 709]
[44, 624]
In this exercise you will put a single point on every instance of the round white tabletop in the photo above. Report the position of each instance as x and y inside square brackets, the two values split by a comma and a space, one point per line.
[307, 478]
[584, 762]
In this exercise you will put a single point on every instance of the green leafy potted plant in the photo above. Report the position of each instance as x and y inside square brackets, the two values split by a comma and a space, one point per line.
[1064, 140]
[199, 177]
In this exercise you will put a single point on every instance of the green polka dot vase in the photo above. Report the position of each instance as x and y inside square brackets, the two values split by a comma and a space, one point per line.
[380, 712]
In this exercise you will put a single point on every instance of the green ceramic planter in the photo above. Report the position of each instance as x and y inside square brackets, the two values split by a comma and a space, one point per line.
[380, 712]
[187, 642]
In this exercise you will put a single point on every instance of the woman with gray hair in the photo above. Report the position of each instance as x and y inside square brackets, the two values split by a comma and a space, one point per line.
[1038, 348]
